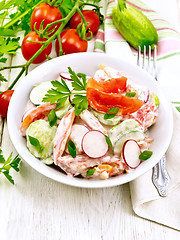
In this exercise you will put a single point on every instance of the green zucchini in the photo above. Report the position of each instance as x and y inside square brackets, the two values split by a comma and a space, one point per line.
[134, 26]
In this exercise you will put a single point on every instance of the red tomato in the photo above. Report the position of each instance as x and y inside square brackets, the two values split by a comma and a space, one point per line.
[30, 48]
[47, 13]
[91, 18]
[4, 102]
[102, 102]
[115, 85]
[71, 42]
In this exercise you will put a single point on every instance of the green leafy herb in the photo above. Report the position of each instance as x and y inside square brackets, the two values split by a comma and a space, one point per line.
[8, 164]
[111, 113]
[90, 172]
[178, 108]
[72, 148]
[61, 92]
[2, 159]
[35, 142]
[130, 94]
[79, 80]
[108, 141]
[80, 102]
[2, 78]
[145, 155]
[52, 117]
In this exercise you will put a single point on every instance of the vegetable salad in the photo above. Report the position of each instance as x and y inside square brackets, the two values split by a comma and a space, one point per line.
[94, 127]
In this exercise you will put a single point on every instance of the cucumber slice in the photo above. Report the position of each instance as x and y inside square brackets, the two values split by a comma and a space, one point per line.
[45, 134]
[39, 91]
[100, 116]
[63, 110]
[129, 124]
[124, 136]
[48, 161]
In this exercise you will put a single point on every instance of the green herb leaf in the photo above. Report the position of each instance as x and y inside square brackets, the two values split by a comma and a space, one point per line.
[52, 118]
[108, 141]
[61, 92]
[8, 176]
[111, 113]
[2, 78]
[79, 80]
[8, 164]
[90, 172]
[145, 155]
[15, 163]
[2, 159]
[178, 108]
[35, 142]
[72, 148]
[81, 103]
[130, 94]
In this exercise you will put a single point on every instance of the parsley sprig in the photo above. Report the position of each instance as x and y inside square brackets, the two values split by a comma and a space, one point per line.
[61, 92]
[8, 164]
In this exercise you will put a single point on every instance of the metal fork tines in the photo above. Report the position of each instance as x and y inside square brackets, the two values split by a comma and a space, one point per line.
[160, 176]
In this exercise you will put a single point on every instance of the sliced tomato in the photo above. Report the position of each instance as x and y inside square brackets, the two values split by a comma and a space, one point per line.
[36, 113]
[115, 85]
[102, 102]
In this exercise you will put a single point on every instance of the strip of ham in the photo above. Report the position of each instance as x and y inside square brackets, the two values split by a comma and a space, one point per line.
[62, 134]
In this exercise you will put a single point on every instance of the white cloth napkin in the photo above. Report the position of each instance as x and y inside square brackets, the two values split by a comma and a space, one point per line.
[146, 201]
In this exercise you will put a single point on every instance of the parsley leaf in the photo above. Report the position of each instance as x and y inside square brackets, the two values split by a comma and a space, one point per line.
[81, 103]
[61, 92]
[79, 80]
[2, 78]
[52, 118]
[8, 164]
[145, 155]
[108, 141]
[35, 142]
[58, 94]
[130, 94]
[72, 148]
[111, 113]
[2, 159]
[90, 172]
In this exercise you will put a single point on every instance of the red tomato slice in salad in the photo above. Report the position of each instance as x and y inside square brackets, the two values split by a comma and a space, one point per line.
[115, 85]
[102, 102]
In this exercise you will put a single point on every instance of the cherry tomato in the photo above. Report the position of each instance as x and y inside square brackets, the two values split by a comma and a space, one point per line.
[91, 18]
[102, 102]
[4, 102]
[71, 42]
[30, 48]
[47, 13]
[115, 85]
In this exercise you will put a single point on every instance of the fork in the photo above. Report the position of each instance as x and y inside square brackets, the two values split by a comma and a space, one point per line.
[160, 177]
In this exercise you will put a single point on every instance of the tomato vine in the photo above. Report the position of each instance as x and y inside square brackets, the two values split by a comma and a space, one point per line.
[67, 7]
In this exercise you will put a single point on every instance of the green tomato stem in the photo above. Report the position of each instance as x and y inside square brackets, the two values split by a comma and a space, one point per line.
[17, 78]
[64, 21]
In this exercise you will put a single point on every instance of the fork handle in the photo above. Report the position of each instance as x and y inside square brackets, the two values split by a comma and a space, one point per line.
[160, 177]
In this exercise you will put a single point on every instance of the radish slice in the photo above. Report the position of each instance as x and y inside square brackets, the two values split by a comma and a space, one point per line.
[94, 144]
[77, 133]
[65, 76]
[131, 152]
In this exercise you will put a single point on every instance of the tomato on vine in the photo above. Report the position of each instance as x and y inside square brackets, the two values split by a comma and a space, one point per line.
[4, 102]
[30, 45]
[47, 13]
[71, 42]
[91, 17]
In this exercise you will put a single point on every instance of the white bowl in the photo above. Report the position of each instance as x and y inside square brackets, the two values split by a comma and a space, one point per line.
[88, 63]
